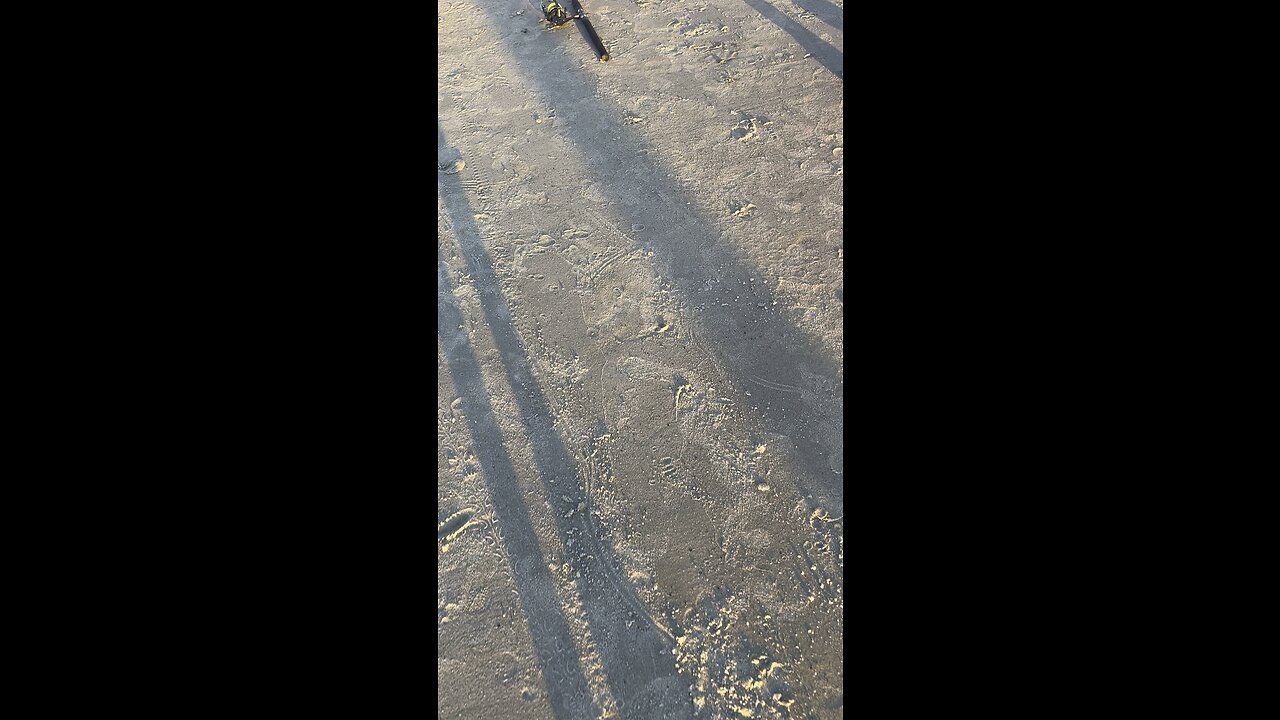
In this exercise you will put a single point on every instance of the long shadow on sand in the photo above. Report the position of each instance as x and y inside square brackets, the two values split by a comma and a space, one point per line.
[637, 659]
[827, 12]
[734, 313]
[552, 639]
[831, 58]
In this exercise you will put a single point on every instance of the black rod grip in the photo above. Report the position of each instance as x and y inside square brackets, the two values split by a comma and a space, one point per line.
[595, 39]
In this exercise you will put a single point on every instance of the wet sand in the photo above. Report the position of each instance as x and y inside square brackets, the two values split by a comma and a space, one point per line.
[640, 297]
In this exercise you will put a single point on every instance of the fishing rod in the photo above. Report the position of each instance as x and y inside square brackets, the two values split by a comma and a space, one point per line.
[556, 14]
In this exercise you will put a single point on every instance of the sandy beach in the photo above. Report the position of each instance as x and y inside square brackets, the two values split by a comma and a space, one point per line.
[640, 373]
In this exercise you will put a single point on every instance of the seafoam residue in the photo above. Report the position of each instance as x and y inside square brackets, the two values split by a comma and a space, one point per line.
[733, 671]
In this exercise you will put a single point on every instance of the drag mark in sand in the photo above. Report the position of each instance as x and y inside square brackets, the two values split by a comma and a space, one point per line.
[783, 387]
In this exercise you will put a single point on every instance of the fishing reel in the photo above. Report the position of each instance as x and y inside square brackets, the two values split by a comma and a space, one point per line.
[556, 14]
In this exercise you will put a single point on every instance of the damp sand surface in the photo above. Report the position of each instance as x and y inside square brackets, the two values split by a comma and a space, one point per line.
[640, 298]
